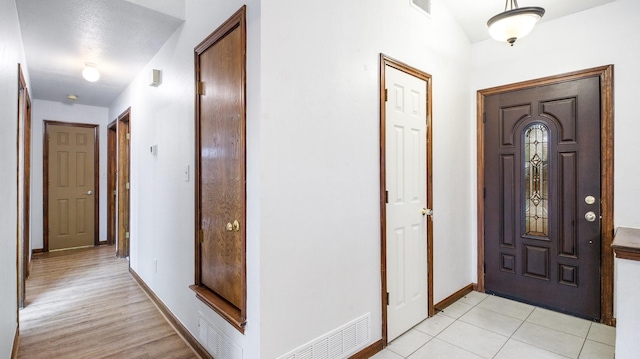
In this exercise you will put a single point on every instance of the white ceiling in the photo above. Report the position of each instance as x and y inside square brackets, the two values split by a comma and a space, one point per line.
[472, 15]
[121, 37]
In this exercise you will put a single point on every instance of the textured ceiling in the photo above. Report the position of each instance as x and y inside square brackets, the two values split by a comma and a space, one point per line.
[472, 15]
[119, 36]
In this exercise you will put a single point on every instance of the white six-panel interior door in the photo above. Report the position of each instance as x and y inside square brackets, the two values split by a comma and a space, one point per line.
[405, 173]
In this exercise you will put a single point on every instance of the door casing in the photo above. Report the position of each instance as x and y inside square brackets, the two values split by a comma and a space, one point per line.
[124, 181]
[606, 142]
[388, 61]
[112, 172]
[96, 180]
[23, 259]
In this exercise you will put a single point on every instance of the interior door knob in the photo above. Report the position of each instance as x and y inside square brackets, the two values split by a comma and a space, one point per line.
[236, 225]
[229, 227]
[89, 192]
[590, 216]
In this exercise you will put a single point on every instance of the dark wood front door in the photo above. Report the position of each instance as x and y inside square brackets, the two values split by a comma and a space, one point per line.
[542, 196]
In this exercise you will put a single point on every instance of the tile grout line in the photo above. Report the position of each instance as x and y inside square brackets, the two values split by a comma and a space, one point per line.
[458, 320]
[543, 326]
[509, 337]
[440, 332]
[585, 340]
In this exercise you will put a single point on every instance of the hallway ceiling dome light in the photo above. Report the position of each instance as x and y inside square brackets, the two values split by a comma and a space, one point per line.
[515, 23]
[90, 72]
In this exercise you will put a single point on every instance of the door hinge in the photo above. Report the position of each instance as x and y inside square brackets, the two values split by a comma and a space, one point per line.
[484, 267]
[201, 235]
[386, 196]
[484, 192]
[484, 117]
[128, 136]
[200, 88]
[387, 298]
[127, 185]
[386, 95]
[126, 235]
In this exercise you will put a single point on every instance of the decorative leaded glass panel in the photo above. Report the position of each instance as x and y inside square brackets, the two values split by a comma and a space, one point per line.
[536, 176]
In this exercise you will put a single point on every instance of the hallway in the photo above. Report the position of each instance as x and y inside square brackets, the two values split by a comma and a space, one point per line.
[84, 304]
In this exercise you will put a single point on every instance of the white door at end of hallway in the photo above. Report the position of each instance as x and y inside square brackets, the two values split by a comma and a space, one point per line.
[406, 184]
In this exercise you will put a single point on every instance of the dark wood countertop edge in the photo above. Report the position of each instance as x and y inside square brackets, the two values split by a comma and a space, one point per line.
[626, 243]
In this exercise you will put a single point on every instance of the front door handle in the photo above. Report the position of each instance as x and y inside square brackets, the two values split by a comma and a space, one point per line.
[590, 216]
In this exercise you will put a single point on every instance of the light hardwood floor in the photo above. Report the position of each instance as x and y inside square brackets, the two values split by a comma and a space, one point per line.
[84, 304]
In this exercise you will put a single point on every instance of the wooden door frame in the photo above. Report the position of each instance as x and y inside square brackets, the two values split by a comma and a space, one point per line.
[400, 66]
[124, 177]
[27, 185]
[605, 73]
[236, 316]
[96, 178]
[23, 218]
[112, 165]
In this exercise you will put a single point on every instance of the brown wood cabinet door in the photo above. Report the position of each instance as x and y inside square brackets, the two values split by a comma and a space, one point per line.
[221, 188]
[71, 186]
[542, 196]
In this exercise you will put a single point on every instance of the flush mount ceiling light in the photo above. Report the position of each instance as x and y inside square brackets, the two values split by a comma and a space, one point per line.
[90, 72]
[514, 23]
[72, 97]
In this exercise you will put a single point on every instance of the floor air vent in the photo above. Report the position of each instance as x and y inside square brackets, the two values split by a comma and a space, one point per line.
[338, 344]
[422, 5]
[216, 342]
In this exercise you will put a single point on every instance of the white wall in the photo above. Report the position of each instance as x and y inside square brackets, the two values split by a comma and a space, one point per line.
[313, 229]
[42, 110]
[162, 202]
[319, 159]
[11, 53]
[628, 320]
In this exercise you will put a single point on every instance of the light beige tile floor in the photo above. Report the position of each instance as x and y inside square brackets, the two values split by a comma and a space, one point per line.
[484, 326]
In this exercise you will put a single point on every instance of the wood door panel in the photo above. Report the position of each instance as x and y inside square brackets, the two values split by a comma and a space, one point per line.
[509, 116]
[508, 230]
[562, 111]
[542, 157]
[220, 170]
[568, 198]
[405, 174]
[222, 164]
[71, 177]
